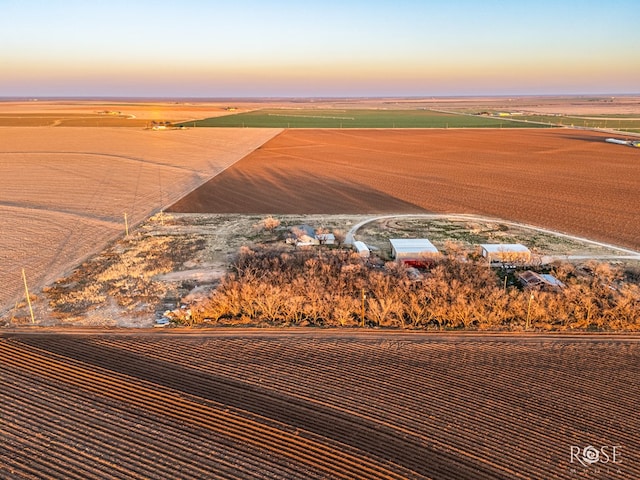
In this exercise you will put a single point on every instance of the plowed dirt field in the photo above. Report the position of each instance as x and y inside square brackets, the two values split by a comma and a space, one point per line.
[309, 404]
[64, 191]
[566, 180]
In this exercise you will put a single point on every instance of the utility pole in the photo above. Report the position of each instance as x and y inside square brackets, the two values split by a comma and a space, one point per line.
[160, 188]
[526, 327]
[126, 225]
[26, 291]
[362, 315]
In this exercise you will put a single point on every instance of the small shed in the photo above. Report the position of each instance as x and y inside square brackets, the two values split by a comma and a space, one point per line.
[542, 281]
[505, 252]
[326, 238]
[302, 235]
[361, 248]
[305, 235]
[413, 250]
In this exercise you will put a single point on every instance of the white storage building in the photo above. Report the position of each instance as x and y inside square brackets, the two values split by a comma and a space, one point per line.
[410, 250]
[361, 248]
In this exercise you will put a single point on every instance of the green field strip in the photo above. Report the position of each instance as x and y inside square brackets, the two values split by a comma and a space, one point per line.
[333, 118]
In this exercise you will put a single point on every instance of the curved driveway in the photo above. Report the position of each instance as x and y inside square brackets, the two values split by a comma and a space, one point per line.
[625, 253]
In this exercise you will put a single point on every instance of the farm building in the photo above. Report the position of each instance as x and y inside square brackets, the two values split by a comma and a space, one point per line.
[305, 235]
[302, 235]
[413, 251]
[505, 252]
[361, 248]
[542, 281]
[326, 238]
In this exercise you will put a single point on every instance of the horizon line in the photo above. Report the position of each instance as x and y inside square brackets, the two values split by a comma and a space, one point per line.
[36, 98]
[315, 97]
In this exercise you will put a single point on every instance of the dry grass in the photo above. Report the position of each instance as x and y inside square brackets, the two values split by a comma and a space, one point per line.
[125, 276]
[174, 260]
[64, 191]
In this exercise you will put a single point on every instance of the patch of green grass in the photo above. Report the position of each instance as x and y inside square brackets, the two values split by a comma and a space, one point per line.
[357, 118]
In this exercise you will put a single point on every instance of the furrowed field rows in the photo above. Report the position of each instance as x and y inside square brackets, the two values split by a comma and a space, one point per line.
[105, 420]
[401, 421]
[390, 390]
[458, 393]
[303, 450]
[335, 404]
[203, 390]
[231, 460]
[565, 180]
[127, 446]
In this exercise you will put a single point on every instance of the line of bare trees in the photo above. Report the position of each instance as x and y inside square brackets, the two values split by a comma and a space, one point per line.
[277, 286]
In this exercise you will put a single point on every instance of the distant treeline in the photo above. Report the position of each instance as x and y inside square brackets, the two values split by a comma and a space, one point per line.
[335, 287]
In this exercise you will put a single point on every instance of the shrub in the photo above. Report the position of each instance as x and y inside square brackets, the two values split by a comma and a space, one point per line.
[279, 285]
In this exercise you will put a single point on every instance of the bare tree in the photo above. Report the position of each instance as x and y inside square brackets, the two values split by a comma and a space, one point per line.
[324, 287]
[339, 235]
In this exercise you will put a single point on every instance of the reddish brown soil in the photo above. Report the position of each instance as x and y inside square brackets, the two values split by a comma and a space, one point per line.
[314, 405]
[568, 180]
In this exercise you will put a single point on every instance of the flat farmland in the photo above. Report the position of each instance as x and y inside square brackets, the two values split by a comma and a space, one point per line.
[310, 404]
[64, 191]
[87, 113]
[69, 120]
[353, 118]
[567, 180]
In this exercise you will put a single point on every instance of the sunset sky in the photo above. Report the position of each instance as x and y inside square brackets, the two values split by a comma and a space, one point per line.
[294, 48]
